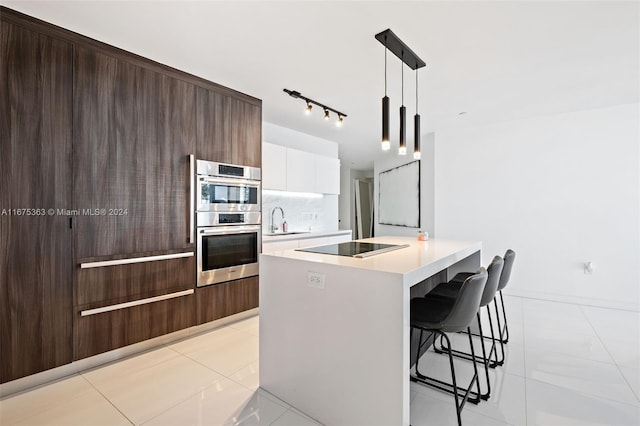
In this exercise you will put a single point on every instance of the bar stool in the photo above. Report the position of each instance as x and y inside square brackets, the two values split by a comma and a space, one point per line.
[509, 258]
[438, 316]
[450, 290]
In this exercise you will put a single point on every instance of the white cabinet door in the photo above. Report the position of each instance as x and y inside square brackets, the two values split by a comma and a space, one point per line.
[274, 167]
[327, 175]
[300, 171]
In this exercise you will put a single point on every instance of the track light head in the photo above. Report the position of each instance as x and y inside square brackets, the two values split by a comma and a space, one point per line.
[308, 109]
[340, 120]
[326, 114]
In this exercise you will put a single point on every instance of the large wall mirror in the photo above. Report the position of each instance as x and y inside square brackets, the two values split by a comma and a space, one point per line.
[399, 196]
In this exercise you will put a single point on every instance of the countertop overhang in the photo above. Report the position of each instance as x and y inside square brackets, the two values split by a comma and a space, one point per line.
[426, 257]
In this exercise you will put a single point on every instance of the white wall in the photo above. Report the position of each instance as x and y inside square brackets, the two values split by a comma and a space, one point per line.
[302, 213]
[560, 190]
[426, 188]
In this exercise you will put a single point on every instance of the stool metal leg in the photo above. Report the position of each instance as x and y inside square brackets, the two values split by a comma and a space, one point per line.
[461, 395]
[504, 315]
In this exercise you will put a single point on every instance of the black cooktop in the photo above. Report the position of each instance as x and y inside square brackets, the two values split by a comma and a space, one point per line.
[354, 249]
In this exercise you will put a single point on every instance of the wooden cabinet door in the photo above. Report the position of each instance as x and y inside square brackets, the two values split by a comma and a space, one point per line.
[35, 245]
[134, 129]
[229, 129]
[221, 300]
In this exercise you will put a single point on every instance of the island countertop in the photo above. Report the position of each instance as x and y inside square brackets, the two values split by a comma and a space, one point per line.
[420, 258]
[335, 331]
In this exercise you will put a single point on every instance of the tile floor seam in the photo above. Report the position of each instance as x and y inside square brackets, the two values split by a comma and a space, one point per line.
[280, 416]
[574, 303]
[587, 394]
[211, 384]
[610, 354]
[107, 399]
[216, 371]
[35, 388]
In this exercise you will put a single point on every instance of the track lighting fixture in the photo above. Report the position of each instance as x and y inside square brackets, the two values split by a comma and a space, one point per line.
[310, 102]
[408, 57]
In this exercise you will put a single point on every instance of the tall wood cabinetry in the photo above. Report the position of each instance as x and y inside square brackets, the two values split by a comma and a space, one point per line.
[102, 137]
[35, 244]
[134, 129]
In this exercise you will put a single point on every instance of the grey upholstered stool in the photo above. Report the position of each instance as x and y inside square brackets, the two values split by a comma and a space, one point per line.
[438, 316]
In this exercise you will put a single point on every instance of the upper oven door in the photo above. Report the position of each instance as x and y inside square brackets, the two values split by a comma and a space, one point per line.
[228, 195]
[227, 253]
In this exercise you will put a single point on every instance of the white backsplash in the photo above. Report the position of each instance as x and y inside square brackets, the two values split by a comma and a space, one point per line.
[303, 213]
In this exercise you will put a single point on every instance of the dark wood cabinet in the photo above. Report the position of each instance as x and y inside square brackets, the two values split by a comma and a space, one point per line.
[94, 143]
[121, 283]
[229, 129]
[134, 129]
[221, 300]
[101, 332]
[35, 244]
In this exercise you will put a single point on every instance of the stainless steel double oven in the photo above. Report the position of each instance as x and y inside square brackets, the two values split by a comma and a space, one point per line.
[228, 218]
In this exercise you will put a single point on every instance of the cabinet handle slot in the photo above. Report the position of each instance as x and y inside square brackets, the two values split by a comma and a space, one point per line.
[135, 303]
[134, 260]
[192, 197]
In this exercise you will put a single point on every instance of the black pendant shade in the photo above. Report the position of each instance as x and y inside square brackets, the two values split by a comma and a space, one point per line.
[402, 150]
[416, 136]
[386, 144]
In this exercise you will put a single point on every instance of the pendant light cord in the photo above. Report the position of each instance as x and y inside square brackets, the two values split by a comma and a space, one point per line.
[416, 90]
[402, 76]
[385, 65]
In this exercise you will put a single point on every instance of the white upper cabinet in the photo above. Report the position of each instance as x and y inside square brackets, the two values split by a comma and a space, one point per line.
[301, 171]
[327, 172]
[288, 169]
[274, 167]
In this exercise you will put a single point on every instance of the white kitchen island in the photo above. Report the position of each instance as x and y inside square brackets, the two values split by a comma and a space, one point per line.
[334, 330]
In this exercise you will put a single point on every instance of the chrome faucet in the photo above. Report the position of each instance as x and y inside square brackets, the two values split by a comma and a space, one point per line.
[274, 228]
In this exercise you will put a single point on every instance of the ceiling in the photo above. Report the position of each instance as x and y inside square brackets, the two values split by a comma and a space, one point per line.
[494, 61]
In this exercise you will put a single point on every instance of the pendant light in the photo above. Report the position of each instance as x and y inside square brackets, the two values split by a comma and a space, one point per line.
[407, 57]
[402, 149]
[416, 126]
[386, 144]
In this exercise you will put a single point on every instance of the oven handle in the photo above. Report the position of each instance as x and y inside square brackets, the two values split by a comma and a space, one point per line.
[192, 198]
[253, 183]
[233, 230]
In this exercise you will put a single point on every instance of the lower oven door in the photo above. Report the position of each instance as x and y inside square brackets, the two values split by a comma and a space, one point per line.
[227, 253]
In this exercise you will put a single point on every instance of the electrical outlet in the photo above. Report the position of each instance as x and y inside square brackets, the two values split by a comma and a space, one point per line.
[315, 279]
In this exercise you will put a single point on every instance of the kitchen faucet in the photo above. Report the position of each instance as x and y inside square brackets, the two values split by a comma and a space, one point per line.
[274, 228]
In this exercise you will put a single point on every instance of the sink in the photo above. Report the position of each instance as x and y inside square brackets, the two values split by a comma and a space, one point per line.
[275, 234]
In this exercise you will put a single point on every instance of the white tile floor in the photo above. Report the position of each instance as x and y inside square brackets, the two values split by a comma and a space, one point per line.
[566, 365]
